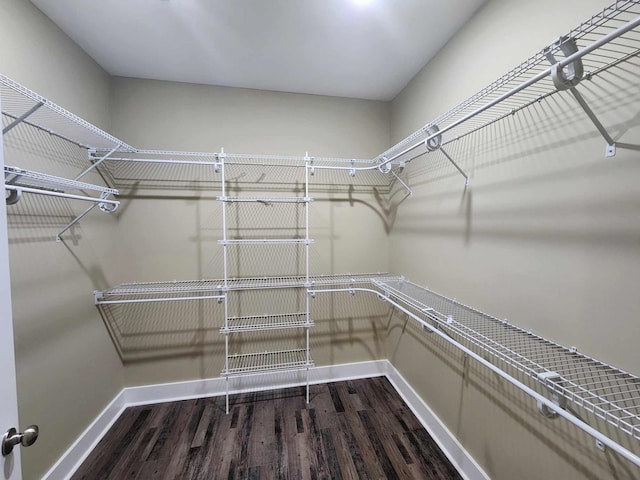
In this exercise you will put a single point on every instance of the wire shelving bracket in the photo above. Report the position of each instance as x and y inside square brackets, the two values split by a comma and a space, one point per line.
[23, 106]
[532, 80]
[18, 180]
[569, 77]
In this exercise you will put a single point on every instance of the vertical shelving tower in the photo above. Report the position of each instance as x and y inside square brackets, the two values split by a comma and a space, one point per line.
[264, 285]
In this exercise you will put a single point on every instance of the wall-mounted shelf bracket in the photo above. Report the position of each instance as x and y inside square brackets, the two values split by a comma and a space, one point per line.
[222, 293]
[352, 170]
[462, 172]
[13, 196]
[406, 187]
[74, 221]
[105, 207]
[385, 165]
[433, 142]
[217, 165]
[95, 164]
[610, 149]
[569, 77]
[309, 163]
[18, 181]
[434, 139]
[550, 380]
[22, 117]
[430, 314]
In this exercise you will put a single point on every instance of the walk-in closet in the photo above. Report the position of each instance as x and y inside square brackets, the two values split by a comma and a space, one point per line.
[225, 256]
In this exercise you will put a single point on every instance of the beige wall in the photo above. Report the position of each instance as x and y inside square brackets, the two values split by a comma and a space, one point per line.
[547, 236]
[182, 225]
[182, 116]
[67, 368]
[37, 54]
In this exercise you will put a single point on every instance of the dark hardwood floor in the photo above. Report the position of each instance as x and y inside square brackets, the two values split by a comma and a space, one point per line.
[358, 429]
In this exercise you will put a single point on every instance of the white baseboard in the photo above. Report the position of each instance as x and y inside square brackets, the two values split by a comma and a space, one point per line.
[149, 394]
[448, 443]
[168, 392]
[69, 462]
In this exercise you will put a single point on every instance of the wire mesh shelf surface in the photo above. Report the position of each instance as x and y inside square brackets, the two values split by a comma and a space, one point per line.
[168, 289]
[608, 392]
[27, 178]
[267, 322]
[624, 47]
[259, 241]
[155, 168]
[159, 167]
[266, 201]
[51, 118]
[249, 363]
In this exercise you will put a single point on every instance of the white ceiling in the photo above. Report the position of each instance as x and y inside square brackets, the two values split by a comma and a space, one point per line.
[328, 47]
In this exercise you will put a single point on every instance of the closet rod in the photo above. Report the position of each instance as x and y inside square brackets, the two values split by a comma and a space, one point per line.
[60, 194]
[157, 160]
[239, 159]
[99, 301]
[517, 383]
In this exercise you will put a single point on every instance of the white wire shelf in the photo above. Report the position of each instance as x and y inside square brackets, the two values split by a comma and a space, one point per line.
[157, 169]
[606, 391]
[490, 105]
[17, 100]
[526, 84]
[198, 288]
[267, 322]
[18, 181]
[26, 178]
[301, 281]
[266, 241]
[251, 363]
[265, 200]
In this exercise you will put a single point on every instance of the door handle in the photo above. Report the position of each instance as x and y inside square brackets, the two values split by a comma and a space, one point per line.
[12, 438]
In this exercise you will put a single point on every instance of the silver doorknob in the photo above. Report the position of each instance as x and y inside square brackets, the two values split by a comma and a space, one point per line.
[12, 438]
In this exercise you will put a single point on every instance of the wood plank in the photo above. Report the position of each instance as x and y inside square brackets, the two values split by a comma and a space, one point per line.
[324, 408]
[359, 429]
[347, 465]
[291, 413]
[208, 448]
[335, 397]
[361, 451]
[181, 436]
[102, 454]
[376, 442]
[121, 452]
[436, 464]
[280, 449]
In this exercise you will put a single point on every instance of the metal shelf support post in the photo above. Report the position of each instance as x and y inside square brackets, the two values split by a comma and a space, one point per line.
[22, 117]
[571, 79]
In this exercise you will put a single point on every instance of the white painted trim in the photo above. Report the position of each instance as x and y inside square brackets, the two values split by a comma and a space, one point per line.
[168, 392]
[71, 460]
[448, 443]
[149, 394]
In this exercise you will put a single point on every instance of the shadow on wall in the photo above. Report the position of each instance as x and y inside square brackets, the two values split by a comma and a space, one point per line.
[241, 175]
[35, 220]
[537, 175]
[144, 332]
